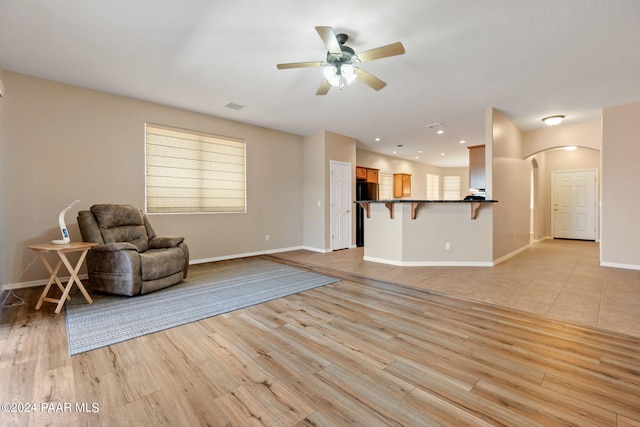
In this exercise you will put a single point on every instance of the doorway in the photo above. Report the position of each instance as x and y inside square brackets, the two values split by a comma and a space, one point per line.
[574, 196]
[341, 204]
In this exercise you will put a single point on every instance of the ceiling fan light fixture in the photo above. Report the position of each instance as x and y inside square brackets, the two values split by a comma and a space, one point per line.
[329, 71]
[553, 120]
[338, 68]
[348, 71]
[339, 76]
[336, 81]
[332, 75]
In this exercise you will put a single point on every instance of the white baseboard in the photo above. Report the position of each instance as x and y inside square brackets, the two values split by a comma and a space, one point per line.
[36, 283]
[246, 255]
[448, 263]
[64, 280]
[510, 255]
[618, 265]
[320, 250]
[430, 263]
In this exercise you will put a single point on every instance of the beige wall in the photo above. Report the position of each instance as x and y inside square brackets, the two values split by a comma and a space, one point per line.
[314, 199]
[2, 168]
[620, 233]
[64, 143]
[585, 135]
[511, 181]
[320, 149]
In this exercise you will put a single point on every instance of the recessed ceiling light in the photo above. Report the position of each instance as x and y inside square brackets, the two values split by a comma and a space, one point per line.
[377, 139]
[440, 132]
[442, 154]
[419, 151]
[395, 152]
[417, 157]
[462, 141]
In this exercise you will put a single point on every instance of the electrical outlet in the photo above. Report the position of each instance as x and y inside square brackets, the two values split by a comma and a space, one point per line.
[266, 238]
[447, 246]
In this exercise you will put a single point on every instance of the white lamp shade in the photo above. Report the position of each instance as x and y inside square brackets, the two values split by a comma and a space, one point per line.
[348, 72]
[329, 71]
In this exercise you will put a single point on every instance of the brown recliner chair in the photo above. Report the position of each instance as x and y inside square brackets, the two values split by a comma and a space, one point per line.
[130, 259]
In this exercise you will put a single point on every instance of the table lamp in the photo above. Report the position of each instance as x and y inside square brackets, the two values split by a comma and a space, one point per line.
[63, 227]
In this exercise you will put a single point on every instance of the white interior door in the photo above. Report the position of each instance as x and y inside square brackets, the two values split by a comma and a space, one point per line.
[574, 204]
[341, 205]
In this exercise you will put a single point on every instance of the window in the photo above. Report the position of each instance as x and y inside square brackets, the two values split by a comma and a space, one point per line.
[451, 187]
[433, 187]
[192, 172]
[385, 186]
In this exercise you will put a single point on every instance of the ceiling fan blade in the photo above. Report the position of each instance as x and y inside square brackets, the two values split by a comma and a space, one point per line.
[381, 52]
[330, 40]
[369, 79]
[324, 88]
[299, 65]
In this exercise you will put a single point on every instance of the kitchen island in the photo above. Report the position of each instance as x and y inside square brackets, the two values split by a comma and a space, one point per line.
[428, 232]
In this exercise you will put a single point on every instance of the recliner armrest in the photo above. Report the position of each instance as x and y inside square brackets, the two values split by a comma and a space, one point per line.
[160, 242]
[115, 247]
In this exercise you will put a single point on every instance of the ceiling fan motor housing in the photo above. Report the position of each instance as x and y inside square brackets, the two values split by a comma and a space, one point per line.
[347, 56]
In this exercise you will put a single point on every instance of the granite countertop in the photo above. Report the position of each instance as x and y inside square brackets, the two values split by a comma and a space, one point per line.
[425, 201]
[475, 204]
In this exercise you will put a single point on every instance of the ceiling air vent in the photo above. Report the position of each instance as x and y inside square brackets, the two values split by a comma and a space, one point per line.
[436, 125]
[234, 106]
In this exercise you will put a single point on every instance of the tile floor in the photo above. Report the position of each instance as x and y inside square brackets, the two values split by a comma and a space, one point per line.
[560, 279]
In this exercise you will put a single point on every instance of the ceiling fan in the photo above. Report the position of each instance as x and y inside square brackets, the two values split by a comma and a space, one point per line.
[341, 65]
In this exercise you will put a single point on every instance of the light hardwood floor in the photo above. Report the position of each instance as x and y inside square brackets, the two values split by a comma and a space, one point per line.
[369, 350]
[558, 279]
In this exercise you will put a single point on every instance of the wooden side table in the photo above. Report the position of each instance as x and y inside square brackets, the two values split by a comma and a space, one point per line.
[62, 250]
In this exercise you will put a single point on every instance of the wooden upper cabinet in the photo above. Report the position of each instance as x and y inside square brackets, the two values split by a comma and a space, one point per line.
[476, 167]
[372, 175]
[401, 185]
[366, 174]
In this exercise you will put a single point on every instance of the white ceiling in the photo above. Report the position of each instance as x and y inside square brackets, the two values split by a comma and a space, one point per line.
[527, 58]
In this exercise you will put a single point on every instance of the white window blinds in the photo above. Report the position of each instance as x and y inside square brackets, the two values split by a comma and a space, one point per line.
[433, 187]
[192, 172]
[385, 186]
[451, 187]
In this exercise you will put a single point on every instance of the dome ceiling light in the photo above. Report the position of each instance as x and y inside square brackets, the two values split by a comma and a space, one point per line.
[553, 120]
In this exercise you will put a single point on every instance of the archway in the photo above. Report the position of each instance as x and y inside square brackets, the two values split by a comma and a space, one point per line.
[543, 164]
[535, 205]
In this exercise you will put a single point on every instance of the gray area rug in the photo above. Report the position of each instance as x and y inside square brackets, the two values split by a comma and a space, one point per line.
[210, 289]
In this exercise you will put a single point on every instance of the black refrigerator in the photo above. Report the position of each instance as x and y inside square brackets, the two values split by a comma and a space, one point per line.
[364, 191]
